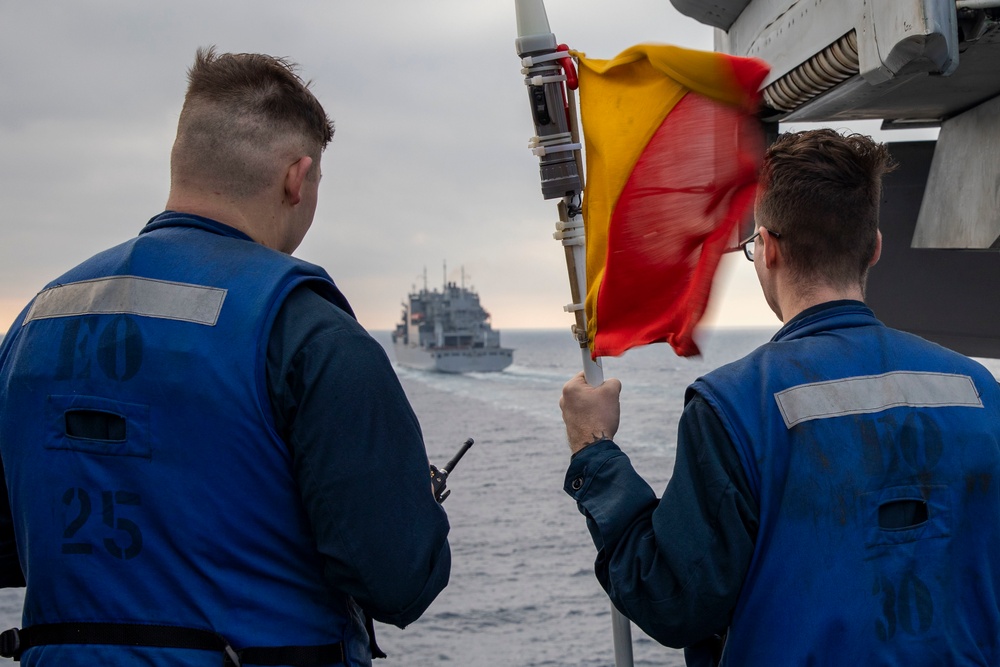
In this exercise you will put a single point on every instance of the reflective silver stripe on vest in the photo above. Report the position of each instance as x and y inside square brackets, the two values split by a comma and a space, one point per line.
[130, 295]
[874, 393]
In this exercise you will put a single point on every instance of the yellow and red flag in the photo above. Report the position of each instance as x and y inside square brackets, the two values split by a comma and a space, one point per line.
[673, 149]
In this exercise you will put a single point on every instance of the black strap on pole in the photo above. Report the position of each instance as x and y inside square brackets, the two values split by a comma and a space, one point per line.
[15, 641]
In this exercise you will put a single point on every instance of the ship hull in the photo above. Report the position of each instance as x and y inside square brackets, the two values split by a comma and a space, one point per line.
[454, 360]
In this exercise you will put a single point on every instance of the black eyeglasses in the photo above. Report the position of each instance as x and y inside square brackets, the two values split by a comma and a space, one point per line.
[749, 243]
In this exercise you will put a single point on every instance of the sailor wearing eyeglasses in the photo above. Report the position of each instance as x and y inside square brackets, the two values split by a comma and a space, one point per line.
[836, 493]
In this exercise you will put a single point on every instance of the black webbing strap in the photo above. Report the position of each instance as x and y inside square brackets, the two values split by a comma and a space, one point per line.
[15, 641]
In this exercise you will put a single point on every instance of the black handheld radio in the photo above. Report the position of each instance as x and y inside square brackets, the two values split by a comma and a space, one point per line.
[439, 478]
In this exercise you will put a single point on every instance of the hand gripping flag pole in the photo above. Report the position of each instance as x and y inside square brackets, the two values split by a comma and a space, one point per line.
[550, 77]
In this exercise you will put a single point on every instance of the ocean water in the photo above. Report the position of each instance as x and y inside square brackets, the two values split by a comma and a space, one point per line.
[522, 590]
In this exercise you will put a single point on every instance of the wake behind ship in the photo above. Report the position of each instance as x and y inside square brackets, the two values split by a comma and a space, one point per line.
[449, 332]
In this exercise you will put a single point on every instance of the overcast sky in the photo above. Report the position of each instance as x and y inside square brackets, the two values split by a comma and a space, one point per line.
[429, 163]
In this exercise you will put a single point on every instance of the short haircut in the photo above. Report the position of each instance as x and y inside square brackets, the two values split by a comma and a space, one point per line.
[241, 113]
[821, 191]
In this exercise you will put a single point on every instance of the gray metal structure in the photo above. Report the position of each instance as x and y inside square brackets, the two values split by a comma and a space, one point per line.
[948, 295]
[910, 63]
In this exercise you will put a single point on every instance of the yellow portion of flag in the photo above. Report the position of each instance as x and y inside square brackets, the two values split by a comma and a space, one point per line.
[623, 101]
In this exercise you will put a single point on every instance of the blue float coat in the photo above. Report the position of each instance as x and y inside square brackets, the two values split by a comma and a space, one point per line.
[194, 515]
[834, 422]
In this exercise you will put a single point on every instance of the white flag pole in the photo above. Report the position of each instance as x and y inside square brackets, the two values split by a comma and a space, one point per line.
[557, 146]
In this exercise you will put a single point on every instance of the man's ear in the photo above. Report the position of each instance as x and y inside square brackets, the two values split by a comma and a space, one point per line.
[295, 176]
[878, 249]
[772, 251]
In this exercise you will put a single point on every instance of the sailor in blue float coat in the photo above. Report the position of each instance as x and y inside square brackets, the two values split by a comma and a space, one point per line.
[205, 454]
[834, 499]
[878, 422]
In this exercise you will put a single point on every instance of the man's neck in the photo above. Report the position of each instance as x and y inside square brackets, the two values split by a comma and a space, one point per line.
[794, 301]
[226, 211]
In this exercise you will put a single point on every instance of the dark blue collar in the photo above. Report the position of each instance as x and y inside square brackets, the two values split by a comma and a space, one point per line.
[846, 312]
[178, 219]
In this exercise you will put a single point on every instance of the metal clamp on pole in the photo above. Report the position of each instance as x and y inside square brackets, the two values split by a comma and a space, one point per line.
[542, 80]
[570, 237]
[542, 151]
[530, 61]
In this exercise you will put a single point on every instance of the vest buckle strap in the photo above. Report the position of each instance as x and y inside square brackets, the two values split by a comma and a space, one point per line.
[10, 644]
[16, 641]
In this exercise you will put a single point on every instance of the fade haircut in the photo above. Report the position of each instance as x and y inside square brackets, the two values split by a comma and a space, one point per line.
[821, 191]
[241, 114]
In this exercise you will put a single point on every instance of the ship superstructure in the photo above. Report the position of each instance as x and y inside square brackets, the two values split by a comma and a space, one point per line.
[449, 331]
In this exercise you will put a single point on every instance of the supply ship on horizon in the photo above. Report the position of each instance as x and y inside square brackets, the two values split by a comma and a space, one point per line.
[448, 331]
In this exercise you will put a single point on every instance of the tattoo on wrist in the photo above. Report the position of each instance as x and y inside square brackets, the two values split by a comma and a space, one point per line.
[596, 439]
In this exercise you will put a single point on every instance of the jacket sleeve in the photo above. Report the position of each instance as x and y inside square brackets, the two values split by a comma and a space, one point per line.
[359, 459]
[674, 565]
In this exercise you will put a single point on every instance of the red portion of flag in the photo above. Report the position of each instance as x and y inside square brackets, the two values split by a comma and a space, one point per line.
[693, 183]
